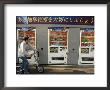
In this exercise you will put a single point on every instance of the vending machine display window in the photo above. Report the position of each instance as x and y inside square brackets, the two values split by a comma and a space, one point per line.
[58, 38]
[29, 32]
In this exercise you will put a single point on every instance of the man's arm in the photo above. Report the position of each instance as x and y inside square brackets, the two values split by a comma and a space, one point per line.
[24, 50]
[31, 48]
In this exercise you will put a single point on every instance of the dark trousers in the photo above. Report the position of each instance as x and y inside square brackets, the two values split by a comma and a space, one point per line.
[24, 64]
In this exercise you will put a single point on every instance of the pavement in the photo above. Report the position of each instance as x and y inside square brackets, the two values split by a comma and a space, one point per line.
[64, 69]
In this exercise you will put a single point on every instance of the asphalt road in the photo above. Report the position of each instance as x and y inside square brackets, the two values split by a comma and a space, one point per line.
[63, 70]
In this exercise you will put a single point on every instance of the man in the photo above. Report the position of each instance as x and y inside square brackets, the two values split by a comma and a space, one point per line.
[24, 53]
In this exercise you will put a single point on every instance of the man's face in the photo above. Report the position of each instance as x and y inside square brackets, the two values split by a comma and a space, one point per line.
[27, 41]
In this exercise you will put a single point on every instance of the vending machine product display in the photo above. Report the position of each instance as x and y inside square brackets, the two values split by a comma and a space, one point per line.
[58, 45]
[23, 32]
[86, 49]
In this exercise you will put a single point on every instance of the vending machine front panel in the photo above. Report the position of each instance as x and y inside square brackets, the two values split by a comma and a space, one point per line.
[57, 45]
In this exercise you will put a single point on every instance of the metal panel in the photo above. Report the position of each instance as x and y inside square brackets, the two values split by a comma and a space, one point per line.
[42, 43]
[73, 45]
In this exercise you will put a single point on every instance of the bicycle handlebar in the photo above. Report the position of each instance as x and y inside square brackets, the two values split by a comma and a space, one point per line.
[36, 52]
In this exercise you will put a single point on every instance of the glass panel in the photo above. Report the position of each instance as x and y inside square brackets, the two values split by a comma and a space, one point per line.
[58, 36]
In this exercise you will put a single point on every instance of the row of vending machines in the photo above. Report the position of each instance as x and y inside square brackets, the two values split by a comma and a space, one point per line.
[58, 44]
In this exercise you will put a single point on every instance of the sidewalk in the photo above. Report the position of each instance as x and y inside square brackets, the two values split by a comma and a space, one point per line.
[65, 69]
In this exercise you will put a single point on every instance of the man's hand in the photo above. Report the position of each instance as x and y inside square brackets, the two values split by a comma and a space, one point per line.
[35, 50]
[31, 55]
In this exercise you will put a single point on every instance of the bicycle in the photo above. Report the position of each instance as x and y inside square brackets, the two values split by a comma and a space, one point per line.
[36, 60]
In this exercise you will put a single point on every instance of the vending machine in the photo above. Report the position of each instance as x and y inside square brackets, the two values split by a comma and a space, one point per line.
[57, 45]
[86, 48]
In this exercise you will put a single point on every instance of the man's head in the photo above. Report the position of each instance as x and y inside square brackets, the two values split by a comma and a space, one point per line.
[26, 39]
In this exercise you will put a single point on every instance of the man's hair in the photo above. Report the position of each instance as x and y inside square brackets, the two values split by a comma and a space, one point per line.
[25, 38]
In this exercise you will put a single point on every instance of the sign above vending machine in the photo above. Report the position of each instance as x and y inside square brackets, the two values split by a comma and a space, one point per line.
[69, 20]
